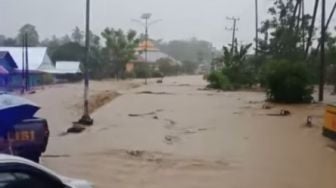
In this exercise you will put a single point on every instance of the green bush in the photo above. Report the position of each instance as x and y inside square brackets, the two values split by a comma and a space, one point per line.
[217, 80]
[288, 82]
[239, 77]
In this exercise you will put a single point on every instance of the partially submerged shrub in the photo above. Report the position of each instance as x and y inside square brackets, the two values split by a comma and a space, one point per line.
[217, 80]
[288, 82]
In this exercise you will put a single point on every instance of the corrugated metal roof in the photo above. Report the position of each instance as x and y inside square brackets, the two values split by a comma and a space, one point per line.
[67, 67]
[5, 56]
[38, 58]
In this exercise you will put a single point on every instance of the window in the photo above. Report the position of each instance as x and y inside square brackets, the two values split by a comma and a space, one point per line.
[25, 180]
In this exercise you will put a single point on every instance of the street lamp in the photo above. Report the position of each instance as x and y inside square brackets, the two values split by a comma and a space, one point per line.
[146, 17]
[86, 119]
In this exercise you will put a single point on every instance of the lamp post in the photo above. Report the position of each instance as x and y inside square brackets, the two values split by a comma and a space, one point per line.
[146, 17]
[86, 119]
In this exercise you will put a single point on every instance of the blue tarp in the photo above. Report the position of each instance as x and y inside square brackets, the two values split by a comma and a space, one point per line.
[14, 109]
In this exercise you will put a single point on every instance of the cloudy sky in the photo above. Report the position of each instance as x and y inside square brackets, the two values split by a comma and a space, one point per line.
[181, 19]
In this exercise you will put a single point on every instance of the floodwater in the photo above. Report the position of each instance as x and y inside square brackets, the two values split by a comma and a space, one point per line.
[176, 134]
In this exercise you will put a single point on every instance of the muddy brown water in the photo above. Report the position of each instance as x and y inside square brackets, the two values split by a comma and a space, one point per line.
[199, 138]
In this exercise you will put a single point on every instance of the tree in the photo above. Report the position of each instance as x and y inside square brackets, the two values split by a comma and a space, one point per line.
[77, 36]
[238, 69]
[119, 48]
[32, 34]
[282, 53]
[192, 50]
[4, 41]
[69, 52]
[286, 32]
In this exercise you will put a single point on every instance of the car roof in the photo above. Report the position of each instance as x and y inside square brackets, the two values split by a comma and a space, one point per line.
[4, 158]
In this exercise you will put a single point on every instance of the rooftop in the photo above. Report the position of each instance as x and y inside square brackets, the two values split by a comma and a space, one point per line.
[37, 57]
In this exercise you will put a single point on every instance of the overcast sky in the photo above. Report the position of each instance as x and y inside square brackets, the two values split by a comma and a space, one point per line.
[181, 19]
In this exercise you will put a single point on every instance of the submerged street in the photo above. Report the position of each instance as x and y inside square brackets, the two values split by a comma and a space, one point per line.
[177, 134]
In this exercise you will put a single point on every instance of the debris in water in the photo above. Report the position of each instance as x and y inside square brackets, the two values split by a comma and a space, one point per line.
[309, 122]
[266, 106]
[56, 156]
[135, 153]
[171, 139]
[140, 115]
[184, 85]
[285, 112]
[76, 128]
[154, 93]
[282, 113]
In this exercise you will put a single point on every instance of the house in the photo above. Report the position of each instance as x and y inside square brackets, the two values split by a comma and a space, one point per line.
[69, 67]
[7, 68]
[39, 64]
[67, 71]
[38, 59]
[152, 56]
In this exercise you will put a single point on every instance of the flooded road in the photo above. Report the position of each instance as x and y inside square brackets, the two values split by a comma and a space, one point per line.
[176, 134]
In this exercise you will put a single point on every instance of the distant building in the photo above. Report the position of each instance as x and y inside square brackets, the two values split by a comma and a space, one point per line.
[65, 71]
[38, 59]
[7, 68]
[66, 67]
[38, 65]
[153, 55]
[12, 61]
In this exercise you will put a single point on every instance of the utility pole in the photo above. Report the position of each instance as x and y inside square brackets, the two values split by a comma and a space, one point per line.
[86, 119]
[303, 24]
[233, 29]
[23, 65]
[328, 23]
[311, 29]
[257, 27]
[322, 66]
[27, 62]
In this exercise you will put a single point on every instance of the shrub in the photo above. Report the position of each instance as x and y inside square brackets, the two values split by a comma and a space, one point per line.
[288, 82]
[239, 77]
[217, 80]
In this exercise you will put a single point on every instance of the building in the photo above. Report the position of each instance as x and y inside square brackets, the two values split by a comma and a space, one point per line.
[67, 67]
[39, 64]
[153, 55]
[67, 71]
[38, 59]
[7, 68]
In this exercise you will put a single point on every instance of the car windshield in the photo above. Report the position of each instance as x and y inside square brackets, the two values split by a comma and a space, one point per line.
[178, 93]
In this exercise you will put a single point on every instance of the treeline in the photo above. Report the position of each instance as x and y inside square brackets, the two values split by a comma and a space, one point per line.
[285, 63]
[113, 48]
